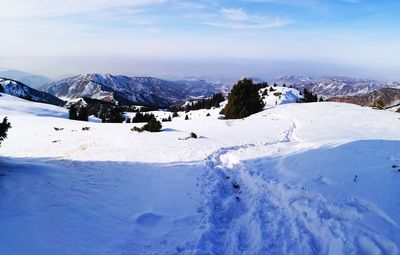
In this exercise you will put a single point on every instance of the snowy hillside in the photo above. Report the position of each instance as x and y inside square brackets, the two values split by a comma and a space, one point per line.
[128, 90]
[317, 178]
[280, 95]
[18, 89]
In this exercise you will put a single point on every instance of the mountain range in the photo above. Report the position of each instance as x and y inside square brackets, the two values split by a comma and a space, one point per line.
[335, 85]
[125, 90]
[32, 80]
[130, 90]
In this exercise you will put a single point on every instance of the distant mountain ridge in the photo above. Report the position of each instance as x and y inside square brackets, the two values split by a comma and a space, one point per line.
[388, 97]
[32, 80]
[335, 85]
[130, 90]
[18, 89]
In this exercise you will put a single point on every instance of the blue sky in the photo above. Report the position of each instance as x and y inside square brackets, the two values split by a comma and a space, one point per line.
[360, 33]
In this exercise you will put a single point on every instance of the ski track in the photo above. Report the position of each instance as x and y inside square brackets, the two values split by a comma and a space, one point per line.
[249, 211]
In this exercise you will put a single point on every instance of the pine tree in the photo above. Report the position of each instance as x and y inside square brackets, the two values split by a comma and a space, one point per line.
[243, 100]
[153, 125]
[309, 97]
[4, 127]
[73, 112]
[116, 115]
[83, 114]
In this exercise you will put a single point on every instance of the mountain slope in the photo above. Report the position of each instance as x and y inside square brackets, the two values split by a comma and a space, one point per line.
[129, 90]
[18, 89]
[32, 80]
[388, 96]
[335, 86]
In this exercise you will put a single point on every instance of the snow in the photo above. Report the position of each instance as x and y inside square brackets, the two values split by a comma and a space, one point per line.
[280, 95]
[316, 178]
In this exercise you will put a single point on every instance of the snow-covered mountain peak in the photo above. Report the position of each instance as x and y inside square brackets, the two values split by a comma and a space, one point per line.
[129, 90]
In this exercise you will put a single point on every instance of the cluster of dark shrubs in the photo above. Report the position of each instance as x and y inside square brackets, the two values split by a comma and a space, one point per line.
[192, 135]
[214, 101]
[4, 127]
[167, 119]
[140, 117]
[78, 113]
[244, 100]
[309, 97]
[107, 114]
[145, 108]
[153, 125]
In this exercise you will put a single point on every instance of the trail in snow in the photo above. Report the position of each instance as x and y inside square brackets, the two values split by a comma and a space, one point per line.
[250, 211]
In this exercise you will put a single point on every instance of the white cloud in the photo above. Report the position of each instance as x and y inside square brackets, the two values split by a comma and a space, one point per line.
[234, 14]
[260, 24]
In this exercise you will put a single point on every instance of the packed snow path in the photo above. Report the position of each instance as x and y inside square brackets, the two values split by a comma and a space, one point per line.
[249, 211]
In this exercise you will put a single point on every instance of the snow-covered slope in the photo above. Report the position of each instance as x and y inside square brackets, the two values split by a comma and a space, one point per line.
[19, 89]
[335, 86]
[318, 178]
[280, 95]
[128, 90]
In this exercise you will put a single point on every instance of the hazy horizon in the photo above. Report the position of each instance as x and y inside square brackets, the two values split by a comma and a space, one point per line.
[173, 38]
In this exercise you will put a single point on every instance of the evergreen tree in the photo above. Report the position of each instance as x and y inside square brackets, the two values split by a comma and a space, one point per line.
[73, 112]
[140, 117]
[83, 114]
[153, 125]
[4, 127]
[214, 101]
[116, 115]
[243, 100]
[309, 97]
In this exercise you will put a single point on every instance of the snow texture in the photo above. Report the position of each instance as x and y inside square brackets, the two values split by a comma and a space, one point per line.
[318, 178]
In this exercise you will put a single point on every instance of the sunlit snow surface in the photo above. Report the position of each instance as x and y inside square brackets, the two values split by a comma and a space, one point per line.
[315, 178]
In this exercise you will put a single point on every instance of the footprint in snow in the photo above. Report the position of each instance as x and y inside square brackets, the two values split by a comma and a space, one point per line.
[148, 219]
